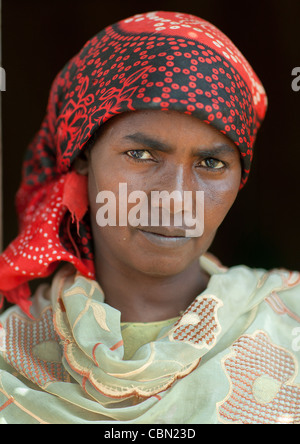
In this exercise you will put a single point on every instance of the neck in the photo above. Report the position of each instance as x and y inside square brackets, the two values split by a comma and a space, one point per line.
[143, 298]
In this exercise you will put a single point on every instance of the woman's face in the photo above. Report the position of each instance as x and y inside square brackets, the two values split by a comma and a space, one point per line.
[161, 151]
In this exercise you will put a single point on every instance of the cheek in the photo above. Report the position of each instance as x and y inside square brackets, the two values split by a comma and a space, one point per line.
[92, 193]
[102, 183]
[107, 238]
[218, 201]
[101, 180]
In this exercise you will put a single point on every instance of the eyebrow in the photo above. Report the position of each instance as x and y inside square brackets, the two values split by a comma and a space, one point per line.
[149, 142]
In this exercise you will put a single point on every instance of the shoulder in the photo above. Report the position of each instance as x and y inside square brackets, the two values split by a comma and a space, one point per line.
[42, 297]
[285, 300]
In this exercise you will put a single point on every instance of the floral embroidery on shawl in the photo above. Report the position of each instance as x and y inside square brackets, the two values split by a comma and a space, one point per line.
[25, 339]
[261, 377]
[199, 325]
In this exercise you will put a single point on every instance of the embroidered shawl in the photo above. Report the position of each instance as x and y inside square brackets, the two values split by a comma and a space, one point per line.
[232, 357]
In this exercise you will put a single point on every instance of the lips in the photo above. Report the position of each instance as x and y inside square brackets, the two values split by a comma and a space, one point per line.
[171, 232]
[166, 238]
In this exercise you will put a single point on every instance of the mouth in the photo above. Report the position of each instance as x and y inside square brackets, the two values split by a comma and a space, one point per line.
[165, 231]
[165, 236]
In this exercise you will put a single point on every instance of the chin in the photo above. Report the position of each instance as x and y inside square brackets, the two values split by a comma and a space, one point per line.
[164, 266]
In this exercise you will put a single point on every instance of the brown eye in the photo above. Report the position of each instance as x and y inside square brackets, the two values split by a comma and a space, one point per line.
[212, 163]
[139, 154]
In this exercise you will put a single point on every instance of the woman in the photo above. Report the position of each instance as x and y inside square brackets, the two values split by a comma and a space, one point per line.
[143, 325]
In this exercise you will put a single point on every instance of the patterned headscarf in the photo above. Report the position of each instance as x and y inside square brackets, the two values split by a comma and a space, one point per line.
[157, 60]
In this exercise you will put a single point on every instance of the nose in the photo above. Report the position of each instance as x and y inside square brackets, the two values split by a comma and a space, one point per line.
[176, 199]
[175, 181]
[179, 177]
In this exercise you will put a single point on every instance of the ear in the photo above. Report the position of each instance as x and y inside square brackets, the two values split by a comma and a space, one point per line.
[81, 163]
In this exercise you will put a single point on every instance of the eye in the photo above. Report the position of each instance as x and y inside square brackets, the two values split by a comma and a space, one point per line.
[139, 155]
[212, 163]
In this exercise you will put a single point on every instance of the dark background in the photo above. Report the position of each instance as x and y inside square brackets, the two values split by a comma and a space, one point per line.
[39, 37]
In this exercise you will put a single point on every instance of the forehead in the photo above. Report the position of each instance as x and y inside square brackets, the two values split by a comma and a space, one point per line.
[164, 125]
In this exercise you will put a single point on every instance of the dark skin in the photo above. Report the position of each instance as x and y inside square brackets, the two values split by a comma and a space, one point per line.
[146, 276]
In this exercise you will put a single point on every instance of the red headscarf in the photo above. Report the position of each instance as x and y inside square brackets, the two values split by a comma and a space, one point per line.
[158, 60]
